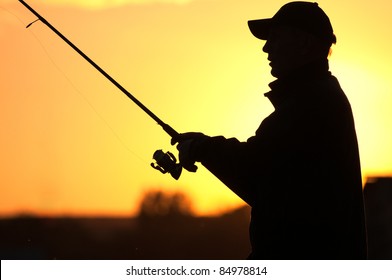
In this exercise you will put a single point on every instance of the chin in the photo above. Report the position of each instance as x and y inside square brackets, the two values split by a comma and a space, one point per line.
[279, 74]
[274, 73]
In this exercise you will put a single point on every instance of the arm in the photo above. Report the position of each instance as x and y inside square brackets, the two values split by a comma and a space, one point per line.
[233, 162]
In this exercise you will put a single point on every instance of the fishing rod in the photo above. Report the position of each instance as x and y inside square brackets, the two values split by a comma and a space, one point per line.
[165, 162]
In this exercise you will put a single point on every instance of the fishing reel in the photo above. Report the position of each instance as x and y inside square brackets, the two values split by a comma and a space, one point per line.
[167, 163]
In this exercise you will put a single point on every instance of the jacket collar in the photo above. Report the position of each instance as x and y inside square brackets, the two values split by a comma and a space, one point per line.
[288, 87]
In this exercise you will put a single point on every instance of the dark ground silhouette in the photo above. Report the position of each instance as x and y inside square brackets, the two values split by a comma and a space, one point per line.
[171, 236]
[165, 229]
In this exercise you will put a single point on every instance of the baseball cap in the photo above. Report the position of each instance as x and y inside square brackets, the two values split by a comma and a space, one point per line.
[306, 16]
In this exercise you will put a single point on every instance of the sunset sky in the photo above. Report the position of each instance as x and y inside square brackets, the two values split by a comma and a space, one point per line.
[72, 144]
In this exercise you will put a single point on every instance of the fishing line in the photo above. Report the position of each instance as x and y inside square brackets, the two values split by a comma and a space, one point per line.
[75, 88]
[165, 162]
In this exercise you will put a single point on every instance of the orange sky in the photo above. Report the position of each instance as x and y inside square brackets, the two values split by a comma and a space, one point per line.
[72, 144]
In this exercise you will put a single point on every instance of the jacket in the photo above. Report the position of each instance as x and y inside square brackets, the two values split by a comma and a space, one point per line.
[300, 172]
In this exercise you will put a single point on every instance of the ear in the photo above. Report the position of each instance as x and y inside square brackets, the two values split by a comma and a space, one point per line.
[306, 45]
[303, 41]
[311, 48]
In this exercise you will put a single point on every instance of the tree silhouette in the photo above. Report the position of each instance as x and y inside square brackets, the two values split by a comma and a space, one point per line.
[161, 204]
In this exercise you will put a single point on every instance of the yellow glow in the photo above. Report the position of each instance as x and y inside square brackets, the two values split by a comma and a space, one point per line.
[100, 4]
[73, 144]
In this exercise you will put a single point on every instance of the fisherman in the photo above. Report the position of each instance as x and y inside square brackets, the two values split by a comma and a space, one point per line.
[300, 172]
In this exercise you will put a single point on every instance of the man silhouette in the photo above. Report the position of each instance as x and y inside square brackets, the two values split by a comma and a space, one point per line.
[300, 172]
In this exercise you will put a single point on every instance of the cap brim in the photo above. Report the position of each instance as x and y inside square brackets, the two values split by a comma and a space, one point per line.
[260, 28]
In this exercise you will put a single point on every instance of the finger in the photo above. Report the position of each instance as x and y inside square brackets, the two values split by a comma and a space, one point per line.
[191, 168]
[183, 137]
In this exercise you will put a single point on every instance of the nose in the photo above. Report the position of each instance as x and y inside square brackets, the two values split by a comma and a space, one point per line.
[266, 46]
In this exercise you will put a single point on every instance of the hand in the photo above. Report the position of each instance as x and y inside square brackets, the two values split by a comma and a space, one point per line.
[185, 155]
[186, 148]
[187, 136]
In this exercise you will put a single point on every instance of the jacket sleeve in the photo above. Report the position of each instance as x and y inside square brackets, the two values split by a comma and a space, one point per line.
[239, 165]
[225, 158]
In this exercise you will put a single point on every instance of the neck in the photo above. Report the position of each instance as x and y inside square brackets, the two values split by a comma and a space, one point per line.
[281, 87]
[308, 70]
